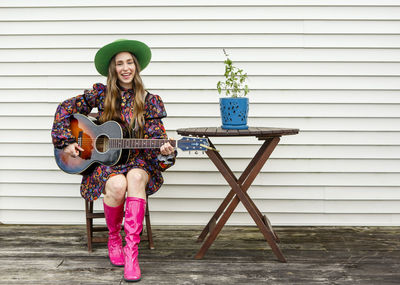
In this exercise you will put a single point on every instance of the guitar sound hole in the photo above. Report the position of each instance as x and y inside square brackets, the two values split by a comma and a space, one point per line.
[102, 143]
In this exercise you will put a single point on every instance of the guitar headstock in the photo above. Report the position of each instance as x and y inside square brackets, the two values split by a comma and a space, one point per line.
[191, 143]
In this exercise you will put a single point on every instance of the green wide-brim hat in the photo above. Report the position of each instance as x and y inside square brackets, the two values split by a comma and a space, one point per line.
[103, 56]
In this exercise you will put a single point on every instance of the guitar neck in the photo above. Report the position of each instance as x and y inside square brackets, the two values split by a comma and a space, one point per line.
[138, 143]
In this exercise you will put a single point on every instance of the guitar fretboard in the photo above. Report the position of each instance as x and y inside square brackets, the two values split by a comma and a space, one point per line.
[138, 143]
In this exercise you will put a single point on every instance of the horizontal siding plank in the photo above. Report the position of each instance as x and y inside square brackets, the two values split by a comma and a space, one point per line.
[99, 27]
[190, 218]
[200, 12]
[199, 164]
[209, 82]
[156, 27]
[30, 149]
[39, 190]
[210, 69]
[350, 27]
[206, 41]
[210, 96]
[190, 191]
[238, 55]
[214, 178]
[255, 110]
[265, 3]
[173, 123]
[284, 219]
[207, 205]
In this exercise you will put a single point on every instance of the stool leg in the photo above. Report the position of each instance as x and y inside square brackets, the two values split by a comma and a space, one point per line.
[148, 227]
[89, 224]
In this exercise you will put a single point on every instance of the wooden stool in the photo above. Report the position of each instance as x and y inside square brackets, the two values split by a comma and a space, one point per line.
[90, 229]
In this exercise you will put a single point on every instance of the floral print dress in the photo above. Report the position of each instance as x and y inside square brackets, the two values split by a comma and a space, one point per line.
[147, 159]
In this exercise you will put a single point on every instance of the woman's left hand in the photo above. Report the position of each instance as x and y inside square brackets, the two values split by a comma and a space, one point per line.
[167, 149]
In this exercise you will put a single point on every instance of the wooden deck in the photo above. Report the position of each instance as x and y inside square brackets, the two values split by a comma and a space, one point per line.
[316, 255]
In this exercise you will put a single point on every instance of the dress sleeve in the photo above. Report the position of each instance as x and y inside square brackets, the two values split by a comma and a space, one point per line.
[61, 132]
[154, 129]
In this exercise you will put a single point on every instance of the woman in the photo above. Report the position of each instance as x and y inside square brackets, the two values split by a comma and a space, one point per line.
[125, 100]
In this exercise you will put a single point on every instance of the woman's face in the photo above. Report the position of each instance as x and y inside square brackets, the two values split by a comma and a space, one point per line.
[125, 68]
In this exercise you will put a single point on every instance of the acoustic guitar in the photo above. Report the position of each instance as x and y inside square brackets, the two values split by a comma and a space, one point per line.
[109, 144]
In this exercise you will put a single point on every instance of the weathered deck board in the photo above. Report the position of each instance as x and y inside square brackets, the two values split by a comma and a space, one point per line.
[316, 255]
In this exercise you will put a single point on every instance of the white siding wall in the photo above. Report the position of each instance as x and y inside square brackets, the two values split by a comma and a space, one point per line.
[330, 68]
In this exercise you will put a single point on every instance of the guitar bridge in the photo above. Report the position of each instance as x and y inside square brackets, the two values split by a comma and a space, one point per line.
[80, 138]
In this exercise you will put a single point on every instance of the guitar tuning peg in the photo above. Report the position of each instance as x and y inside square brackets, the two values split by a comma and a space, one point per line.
[203, 152]
[196, 152]
[189, 152]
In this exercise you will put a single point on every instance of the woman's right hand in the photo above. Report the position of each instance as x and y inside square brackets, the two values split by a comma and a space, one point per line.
[73, 149]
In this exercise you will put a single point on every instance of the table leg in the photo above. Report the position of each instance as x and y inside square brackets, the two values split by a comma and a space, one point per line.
[260, 223]
[252, 171]
[231, 193]
[266, 148]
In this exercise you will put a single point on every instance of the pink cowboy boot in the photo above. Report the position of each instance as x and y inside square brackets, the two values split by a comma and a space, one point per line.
[134, 214]
[114, 216]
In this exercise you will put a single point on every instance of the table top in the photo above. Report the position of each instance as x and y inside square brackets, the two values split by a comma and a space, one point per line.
[259, 132]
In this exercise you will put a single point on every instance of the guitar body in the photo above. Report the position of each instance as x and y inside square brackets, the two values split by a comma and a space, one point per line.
[94, 140]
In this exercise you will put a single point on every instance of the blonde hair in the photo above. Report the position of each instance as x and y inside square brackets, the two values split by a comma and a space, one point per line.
[112, 103]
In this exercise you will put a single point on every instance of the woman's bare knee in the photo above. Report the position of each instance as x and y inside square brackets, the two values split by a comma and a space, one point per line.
[138, 177]
[116, 187]
[137, 181]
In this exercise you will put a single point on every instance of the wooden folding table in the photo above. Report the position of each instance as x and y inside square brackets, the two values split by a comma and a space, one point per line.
[239, 187]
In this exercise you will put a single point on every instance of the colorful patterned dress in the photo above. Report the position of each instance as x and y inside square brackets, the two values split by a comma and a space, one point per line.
[147, 159]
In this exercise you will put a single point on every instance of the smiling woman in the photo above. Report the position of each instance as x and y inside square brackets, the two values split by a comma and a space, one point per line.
[125, 100]
[125, 68]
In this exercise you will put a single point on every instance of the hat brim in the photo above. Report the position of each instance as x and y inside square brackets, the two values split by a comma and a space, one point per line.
[103, 56]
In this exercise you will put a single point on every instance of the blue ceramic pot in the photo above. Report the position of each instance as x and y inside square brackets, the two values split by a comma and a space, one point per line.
[234, 112]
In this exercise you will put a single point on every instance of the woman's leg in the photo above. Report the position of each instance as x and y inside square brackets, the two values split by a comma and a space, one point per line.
[137, 182]
[114, 198]
[115, 190]
[134, 214]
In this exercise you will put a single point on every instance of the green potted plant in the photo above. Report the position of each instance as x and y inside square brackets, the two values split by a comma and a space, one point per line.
[235, 106]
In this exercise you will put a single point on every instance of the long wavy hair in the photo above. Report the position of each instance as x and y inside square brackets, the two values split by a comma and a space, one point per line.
[112, 103]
